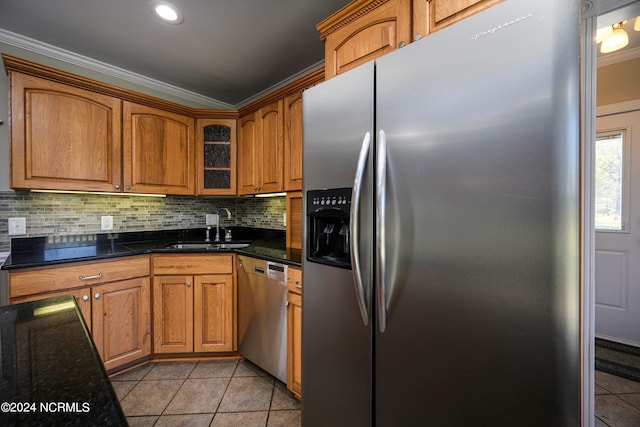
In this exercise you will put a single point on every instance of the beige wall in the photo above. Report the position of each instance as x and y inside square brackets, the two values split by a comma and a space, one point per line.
[619, 82]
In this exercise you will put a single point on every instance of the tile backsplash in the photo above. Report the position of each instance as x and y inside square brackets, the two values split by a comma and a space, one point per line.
[67, 214]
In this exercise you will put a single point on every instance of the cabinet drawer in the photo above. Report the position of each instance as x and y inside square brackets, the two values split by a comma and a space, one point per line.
[294, 280]
[74, 275]
[193, 264]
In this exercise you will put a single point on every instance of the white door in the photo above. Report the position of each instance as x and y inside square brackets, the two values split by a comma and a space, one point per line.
[617, 219]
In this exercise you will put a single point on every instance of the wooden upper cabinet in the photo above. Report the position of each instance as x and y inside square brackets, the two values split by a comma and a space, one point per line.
[364, 30]
[62, 137]
[367, 29]
[158, 151]
[260, 150]
[433, 15]
[247, 152]
[216, 156]
[271, 147]
[293, 142]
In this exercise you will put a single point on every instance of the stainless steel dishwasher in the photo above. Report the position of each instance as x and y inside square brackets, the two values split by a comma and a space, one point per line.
[262, 319]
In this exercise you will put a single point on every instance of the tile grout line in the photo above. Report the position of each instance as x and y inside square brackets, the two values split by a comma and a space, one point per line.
[225, 391]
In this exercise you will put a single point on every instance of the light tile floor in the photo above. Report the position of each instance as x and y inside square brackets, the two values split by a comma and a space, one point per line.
[238, 393]
[205, 393]
[617, 401]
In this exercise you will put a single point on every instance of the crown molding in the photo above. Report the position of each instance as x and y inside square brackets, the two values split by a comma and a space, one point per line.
[285, 84]
[621, 107]
[50, 51]
[619, 56]
[346, 15]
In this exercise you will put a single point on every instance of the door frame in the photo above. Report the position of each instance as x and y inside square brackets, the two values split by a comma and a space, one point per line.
[589, 66]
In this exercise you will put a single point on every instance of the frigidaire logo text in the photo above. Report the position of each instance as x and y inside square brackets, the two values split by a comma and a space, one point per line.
[476, 36]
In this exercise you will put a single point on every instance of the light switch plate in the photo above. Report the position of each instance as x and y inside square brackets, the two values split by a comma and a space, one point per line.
[211, 219]
[17, 226]
[106, 223]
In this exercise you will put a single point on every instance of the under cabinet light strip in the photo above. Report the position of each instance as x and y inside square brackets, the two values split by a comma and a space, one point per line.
[97, 192]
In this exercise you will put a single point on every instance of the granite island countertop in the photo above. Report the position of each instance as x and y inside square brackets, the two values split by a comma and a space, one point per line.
[43, 251]
[51, 371]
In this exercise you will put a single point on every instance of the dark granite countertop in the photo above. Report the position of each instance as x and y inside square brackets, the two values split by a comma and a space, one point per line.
[51, 371]
[41, 251]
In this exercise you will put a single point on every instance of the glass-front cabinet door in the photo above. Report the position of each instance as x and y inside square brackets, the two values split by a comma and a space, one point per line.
[216, 156]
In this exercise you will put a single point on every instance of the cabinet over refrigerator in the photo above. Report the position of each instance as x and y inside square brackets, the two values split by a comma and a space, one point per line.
[449, 293]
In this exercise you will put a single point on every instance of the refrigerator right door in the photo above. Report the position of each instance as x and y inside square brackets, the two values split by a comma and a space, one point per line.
[479, 249]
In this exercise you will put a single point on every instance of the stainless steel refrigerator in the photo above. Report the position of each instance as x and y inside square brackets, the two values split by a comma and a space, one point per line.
[442, 242]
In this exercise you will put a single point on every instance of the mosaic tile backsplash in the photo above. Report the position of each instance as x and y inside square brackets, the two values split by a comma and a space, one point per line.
[67, 214]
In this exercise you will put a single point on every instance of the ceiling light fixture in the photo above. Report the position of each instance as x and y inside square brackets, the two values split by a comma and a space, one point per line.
[636, 25]
[616, 40]
[166, 12]
[603, 33]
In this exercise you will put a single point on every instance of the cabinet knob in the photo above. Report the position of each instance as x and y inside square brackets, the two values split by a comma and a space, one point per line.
[85, 297]
[401, 44]
[117, 186]
[97, 295]
[127, 187]
[188, 284]
[297, 285]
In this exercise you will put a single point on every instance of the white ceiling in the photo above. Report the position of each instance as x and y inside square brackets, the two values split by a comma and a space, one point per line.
[226, 50]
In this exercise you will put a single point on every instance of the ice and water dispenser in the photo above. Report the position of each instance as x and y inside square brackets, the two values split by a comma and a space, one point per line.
[328, 239]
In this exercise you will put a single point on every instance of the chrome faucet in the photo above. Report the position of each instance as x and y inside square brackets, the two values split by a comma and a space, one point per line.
[207, 239]
[217, 239]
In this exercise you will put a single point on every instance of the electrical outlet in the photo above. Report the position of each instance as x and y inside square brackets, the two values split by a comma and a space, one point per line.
[106, 223]
[17, 226]
[211, 219]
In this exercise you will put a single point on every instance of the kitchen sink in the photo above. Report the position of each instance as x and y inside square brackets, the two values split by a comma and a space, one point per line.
[207, 246]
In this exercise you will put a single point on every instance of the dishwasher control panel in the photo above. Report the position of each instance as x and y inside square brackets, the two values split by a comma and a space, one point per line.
[276, 271]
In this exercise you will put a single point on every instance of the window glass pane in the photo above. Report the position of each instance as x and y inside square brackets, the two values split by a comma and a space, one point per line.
[609, 182]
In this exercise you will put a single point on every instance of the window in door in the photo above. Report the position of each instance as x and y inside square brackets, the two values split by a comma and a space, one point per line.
[611, 179]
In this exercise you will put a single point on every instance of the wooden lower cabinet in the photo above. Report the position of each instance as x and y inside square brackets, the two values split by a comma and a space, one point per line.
[294, 202]
[213, 313]
[194, 312]
[113, 297]
[172, 314]
[121, 321]
[294, 331]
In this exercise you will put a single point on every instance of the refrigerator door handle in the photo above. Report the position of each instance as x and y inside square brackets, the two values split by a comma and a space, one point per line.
[381, 197]
[354, 229]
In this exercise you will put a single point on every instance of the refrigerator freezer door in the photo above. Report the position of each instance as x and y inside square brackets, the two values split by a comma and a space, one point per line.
[482, 222]
[336, 343]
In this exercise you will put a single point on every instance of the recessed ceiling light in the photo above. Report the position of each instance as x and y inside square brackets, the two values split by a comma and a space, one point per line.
[166, 12]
